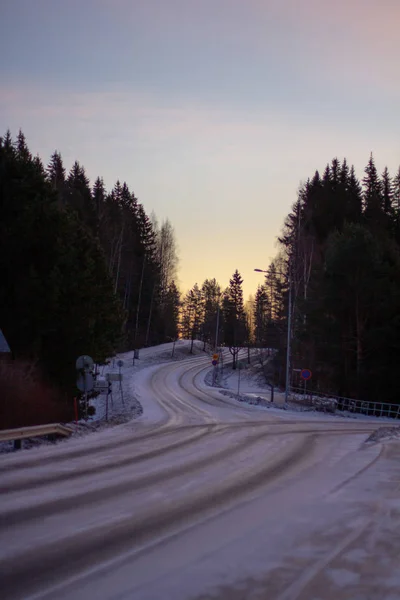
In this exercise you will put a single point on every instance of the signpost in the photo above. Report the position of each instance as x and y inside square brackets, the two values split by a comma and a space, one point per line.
[117, 377]
[214, 362]
[305, 374]
[102, 386]
[85, 382]
[84, 363]
[114, 376]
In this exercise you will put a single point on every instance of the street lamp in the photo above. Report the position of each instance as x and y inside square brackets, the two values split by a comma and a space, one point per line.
[289, 327]
[217, 329]
[217, 325]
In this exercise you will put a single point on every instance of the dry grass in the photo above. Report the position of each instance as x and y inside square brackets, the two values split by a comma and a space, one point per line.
[25, 399]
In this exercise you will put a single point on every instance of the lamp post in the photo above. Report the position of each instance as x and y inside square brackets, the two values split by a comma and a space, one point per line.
[217, 323]
[217, 329]
[289, 327]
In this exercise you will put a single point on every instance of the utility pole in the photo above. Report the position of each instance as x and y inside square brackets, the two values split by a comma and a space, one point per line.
[289, 338]
[216, 329]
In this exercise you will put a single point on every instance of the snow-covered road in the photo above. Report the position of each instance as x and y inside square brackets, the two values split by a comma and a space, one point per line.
[203, 497]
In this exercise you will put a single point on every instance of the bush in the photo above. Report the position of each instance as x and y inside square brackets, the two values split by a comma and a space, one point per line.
[25, 398]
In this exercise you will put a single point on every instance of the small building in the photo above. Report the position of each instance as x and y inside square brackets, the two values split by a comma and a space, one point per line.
[5, 350]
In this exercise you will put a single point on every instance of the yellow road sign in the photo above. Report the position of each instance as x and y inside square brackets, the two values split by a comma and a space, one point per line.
[215, 356]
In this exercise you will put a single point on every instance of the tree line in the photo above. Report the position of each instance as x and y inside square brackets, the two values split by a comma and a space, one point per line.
[83, 270]
[340, 255]
[216, 316]
[340, 249]
[87, 271]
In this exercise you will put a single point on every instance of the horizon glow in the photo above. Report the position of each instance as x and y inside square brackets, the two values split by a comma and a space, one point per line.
[212, 112]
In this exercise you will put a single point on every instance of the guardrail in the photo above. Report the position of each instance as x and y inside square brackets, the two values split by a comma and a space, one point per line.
[20, 433]
[331, 403]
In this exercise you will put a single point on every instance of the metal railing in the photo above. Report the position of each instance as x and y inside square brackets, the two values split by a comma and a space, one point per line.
[20, 433]
[331, 403]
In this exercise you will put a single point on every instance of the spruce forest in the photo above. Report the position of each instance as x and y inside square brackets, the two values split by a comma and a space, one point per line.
[83, 270]
[340, 252]
[86, 270]
[341, 249]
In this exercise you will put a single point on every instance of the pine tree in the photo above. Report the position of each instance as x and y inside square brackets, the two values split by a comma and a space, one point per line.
[211, 292]
[346, 318]
[396, 192]
[69, 221]
[56, 171]
[262, 315]
[79, 196]
[344, 175]
[274, 290]
[336, 173]
[99, 198]
[387, 192]
[39, 166]
[373, 201]
[171, 312]
[118, 193]
[326, 179]
[354, 199]
[56, 299]
[235, 330]
[8, 145]
[197, 308]
[192, 314]
[23, 152]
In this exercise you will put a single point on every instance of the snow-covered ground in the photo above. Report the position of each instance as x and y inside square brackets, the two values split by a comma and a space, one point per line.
[121, 407]
[249, 386]
[202, 496]
[131, 403]
[127, 405]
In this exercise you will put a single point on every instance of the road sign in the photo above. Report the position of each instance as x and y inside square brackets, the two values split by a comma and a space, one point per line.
[120, 363]
[85, 382]
[214, 362]
[215, 356]
[102, 385]
[114, 377]
[84, 362]
[306, 374]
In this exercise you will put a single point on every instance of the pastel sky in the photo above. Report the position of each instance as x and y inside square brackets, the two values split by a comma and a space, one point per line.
[213, 111]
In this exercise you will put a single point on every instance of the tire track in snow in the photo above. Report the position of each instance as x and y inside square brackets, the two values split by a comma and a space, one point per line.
[26, 571]
[34, 482]
[16, 516]
[62, 452]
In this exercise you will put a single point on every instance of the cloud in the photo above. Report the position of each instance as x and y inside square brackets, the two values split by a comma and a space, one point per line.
[217, 172]
[206, 132]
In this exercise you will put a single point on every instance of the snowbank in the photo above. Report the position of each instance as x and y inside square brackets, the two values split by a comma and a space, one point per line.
[122, 407]
[384, 433]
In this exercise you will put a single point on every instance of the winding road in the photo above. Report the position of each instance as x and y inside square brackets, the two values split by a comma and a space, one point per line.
[203, 498]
